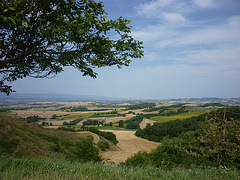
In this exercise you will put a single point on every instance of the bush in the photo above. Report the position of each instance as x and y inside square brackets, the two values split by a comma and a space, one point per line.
[103, 145]
[85, 150]
[139, 159]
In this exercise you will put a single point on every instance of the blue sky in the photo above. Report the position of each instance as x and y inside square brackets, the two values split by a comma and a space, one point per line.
[192, 49]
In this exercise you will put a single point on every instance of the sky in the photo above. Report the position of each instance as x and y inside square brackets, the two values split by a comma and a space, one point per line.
[192, 50]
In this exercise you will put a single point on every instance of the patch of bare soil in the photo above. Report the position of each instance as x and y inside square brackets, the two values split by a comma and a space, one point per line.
[42, 114]
[146, 121]
[128, 144]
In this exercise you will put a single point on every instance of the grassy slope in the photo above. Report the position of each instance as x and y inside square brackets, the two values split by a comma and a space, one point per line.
[31, 139]
[178, 116]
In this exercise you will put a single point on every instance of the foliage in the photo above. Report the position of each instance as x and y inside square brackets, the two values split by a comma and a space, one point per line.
[140, 159]
[158, 131]
[221, 136]
[54, 116]
[103, 145]
[13, 108]
[92, 122]
[79, 108]
[133, 123]
[85, 151]
[108, 135]
[68, 129]
[212, 104]
[74, 122]
[211, 139]
[39, 38]
[113, 113]
[34, 118]
[120, 123]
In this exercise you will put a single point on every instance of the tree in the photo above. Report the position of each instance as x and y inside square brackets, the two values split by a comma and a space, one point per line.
[120, 123]
[39, 38]
[54, 116]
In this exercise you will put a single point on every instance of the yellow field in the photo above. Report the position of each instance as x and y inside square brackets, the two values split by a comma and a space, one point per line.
[178, 116]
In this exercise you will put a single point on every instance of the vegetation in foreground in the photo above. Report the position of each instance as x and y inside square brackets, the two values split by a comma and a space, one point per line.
[47, 168]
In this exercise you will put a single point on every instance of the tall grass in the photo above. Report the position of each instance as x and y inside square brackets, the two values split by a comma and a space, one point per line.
[35, 168]
[178, 116]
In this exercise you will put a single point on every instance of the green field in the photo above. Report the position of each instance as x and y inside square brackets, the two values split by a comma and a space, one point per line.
[178, 116]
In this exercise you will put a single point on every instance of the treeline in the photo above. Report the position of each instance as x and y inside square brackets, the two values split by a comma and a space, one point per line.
[80, 108]
[105, 113]
[75, 108]
[35, 118]
[158, 131]
[212, 104]
[74, 122]
[140, 106]
[14, 109]
[93, 122]
[211, 139]
[108, 135]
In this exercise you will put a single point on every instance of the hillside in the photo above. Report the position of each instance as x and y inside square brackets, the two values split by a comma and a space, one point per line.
[22, 139]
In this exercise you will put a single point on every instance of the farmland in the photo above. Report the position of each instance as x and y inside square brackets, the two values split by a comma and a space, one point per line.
[179, 116]
[57, 128]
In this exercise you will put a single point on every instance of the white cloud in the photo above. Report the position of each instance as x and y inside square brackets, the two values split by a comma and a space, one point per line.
[168, 36]
[174, 10]
[168, 10]
[174, 17]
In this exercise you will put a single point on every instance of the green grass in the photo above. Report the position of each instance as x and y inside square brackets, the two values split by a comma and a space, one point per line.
[46, 168]
[178, 116]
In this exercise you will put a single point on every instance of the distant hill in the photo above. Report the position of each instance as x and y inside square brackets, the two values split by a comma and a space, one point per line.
[54, 97]
[50, 97]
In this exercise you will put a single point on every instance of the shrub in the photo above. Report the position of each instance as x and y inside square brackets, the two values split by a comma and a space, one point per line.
[103, 145]
[85, 150]
[139, 159]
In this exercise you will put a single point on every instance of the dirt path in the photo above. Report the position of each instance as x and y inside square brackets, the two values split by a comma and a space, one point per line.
[128, 145]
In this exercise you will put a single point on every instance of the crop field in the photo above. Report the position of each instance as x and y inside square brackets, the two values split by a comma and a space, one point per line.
[178, 116]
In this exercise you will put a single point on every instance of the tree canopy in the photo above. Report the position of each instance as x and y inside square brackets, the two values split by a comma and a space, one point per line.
[39, 37]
